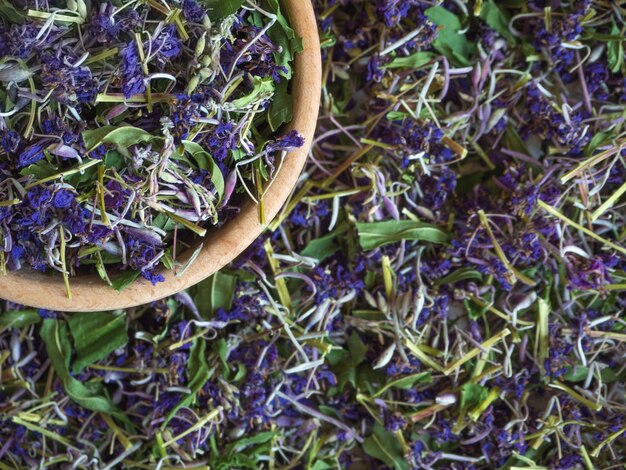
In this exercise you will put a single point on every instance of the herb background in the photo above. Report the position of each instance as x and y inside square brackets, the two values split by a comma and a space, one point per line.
[444, 290]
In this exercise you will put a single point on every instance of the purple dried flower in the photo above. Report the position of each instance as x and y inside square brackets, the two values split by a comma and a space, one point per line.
[167, 44]
[193, 11]
[394, 11]
[72, 85]
[11, 141]
[31, 155]
[290, 141]
[21, 40]
[222, 140]
[63, 199]
[133, 79]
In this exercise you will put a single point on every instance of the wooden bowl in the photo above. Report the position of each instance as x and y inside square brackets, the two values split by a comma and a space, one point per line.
[90, 293]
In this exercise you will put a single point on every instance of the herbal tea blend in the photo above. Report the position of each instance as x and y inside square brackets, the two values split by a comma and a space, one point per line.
[444, 291]
[126, 124]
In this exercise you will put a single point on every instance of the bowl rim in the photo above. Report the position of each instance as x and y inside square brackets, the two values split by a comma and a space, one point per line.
[90, 293]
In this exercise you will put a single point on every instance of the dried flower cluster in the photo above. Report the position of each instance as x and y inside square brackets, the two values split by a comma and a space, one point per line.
[124, 121]
[445, 289]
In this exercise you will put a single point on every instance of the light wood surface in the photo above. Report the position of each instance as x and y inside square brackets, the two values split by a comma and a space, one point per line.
[222, 245]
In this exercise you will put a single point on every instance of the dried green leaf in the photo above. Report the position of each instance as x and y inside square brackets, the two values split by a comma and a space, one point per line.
[281, 109]
[218, 9]
[462, 274]
[10, 13]
[198, 374]
[213, 293]
[241, 444]
[375, 234]
[615, 51]
[19, 318]
[450, 42]
[262, 88]
[205, 161]
[497, 18]
[96, 335]
[285, 37]
[125, 279]
[472, 395]
[413, 61]
[357, 349]
[40, 170]
[123, 137]
[383, 445]
[406, 382]
[89, 395]
[322, 247]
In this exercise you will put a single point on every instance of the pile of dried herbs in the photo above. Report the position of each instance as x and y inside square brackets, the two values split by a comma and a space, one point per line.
[122, 122]
[445, 289]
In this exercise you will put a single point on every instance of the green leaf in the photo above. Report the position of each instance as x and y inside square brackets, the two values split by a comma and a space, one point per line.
[529, 455]
[163, 222]
[462, 274]
[87, 175]
[450, 42]
[576, 373]
[123, 137]
[10, 13]
[40, 170]
[114, 159]
[473, 310]
[375, 234]
[330, 411]
[238, 154]
[406, 383]
[19, 318]
[598, 139]
[397, 116]
[125, 279]
[96, 335]
[218, 9]
[220, 347]
[495, 17]
[93, 137]
[321, 465]
[337, 356]
[357, 349]
[241, 444]
[472, 395]
[281, 108]
[615, 51]
[176, 155]
[205, 162]
[262, 88]
[240, 374]
[349, 368]
[608, 376]
[342, 366]
[198, 372]
[513, 141]
[386, 447]
[285, 37]
[366, 378]
[89, 395]
[414, 61]
[215, 292]
[323, 247]
[101, 268]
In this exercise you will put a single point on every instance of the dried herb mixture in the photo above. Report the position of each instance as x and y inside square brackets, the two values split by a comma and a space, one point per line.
[445, 289]
[123, 121]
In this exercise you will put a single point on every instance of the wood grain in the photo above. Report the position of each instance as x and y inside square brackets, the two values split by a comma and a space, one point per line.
[220, 246]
